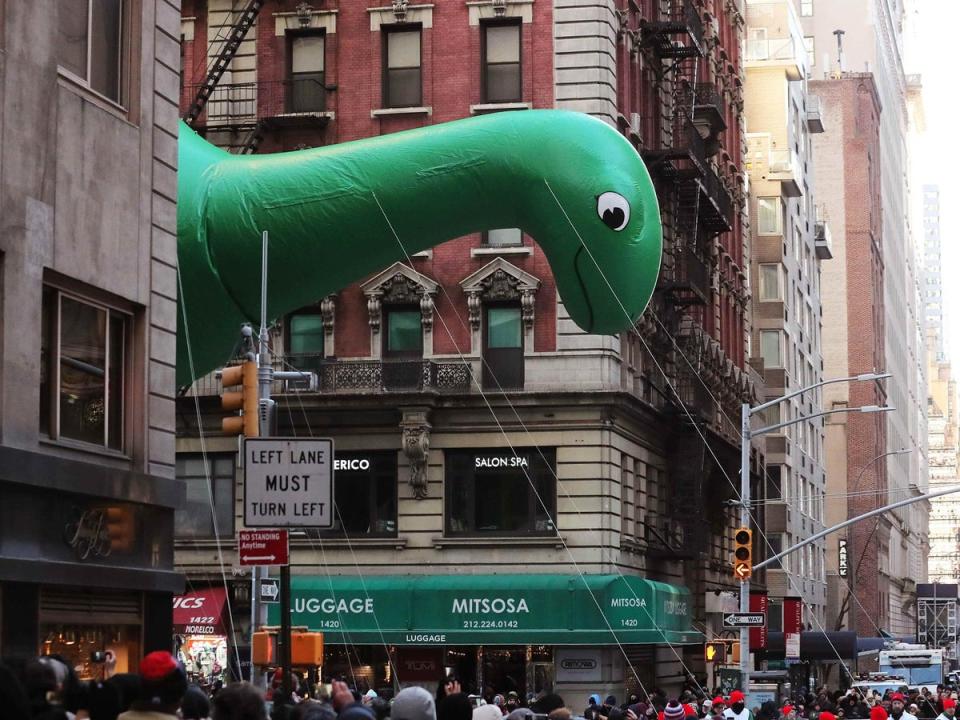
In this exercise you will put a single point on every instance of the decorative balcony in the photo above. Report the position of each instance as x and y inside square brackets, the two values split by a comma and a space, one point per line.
[784, 167]
[380, 376]
[677, 33]
[301, 102]
[775, 38]
[822, 240]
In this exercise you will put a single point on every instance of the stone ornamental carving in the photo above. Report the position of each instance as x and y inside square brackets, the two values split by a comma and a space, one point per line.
[416, 428]
[499, 7]
[400, 9]
[400, 285]
[500, 281]
[328, 309]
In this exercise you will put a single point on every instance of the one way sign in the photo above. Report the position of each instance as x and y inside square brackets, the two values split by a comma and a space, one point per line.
[269, 591]
[740, 620]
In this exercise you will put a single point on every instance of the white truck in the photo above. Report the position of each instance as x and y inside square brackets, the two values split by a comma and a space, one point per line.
[918, 665]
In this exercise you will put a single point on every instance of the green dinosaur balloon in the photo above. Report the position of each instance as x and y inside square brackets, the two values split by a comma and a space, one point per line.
[570, 181]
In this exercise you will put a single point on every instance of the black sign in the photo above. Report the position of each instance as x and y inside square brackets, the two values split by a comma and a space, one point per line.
[740, 620]
[269, 590]
[842, 560]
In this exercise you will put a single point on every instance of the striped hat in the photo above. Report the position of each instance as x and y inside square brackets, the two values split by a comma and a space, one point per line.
[674, 711]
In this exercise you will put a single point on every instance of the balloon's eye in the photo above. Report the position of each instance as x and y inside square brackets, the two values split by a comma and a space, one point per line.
[614, 210]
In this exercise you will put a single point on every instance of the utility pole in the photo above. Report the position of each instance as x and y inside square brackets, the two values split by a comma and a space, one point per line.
[745, 443]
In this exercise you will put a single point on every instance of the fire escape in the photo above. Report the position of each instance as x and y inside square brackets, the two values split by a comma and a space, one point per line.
[247, 110]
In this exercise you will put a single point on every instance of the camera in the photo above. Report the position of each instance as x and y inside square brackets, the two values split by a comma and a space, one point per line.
[98, 656]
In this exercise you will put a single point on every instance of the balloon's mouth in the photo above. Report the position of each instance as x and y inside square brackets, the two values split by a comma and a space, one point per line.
[587, 324]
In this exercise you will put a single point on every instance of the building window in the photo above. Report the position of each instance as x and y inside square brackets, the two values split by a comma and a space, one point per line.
[774, 482]
[806, 8]
[503, 237]
[496, 491]
[401, 71]
[197, 519]
[502, 80]
[769, 217]
[770, 282]
[305, 341]
[503, 347]
[90, 43]
[365, 495]
[82, 362]
[771, 348]
[307, 91]
[403, 333]
[809, 42]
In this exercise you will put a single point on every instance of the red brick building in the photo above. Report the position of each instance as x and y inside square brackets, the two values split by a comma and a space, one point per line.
[630, 442]
[848, 177]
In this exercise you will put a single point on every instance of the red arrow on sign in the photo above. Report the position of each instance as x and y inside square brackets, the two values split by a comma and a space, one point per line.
[741, 570]
[263, 547]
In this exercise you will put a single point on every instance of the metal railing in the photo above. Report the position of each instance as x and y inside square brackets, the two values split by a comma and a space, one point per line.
[243, 103]
[378, 376]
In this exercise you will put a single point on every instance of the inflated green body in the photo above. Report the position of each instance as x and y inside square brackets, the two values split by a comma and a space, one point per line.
[541, 171]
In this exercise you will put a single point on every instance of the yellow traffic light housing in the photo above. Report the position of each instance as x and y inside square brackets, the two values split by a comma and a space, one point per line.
[743, 553]
[715, 651]
[121, 528]
[246, 399]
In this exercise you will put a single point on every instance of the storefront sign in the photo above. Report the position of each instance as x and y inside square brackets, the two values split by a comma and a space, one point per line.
[415, 664]
[578, 665]
[758, 635]
[484, 609]
[842, 560]
[792, 625]
[288, 482]
[199, 612]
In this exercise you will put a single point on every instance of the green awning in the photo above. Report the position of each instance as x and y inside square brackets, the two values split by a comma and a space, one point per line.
[491, 610]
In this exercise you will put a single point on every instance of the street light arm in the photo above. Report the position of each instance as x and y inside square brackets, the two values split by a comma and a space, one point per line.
[855, 378]
[846, 523]
[771, 428]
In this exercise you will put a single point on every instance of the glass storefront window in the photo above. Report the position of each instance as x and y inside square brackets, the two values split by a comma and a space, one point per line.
[95, 652]
[494, 491]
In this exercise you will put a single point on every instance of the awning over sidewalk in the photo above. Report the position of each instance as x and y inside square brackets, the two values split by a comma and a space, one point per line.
[823, 646]
[199, 612]
[492, 610]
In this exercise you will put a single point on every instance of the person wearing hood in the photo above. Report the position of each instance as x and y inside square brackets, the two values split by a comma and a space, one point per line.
[593, 707]
[738, 707]
[897, 708]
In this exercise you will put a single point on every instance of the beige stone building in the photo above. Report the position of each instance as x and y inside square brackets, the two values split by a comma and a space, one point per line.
[88, 254]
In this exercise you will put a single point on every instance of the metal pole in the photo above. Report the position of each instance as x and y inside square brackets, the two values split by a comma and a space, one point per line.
[253, 620]
[745, 522]
[858, 518]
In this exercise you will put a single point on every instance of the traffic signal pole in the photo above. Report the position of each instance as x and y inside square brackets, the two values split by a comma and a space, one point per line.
[745, 443]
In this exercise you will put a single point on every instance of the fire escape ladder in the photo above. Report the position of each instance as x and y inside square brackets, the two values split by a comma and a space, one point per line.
[252, 142]
[219, 66]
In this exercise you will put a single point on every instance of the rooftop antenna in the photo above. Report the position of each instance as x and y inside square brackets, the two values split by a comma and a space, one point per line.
[839, 33]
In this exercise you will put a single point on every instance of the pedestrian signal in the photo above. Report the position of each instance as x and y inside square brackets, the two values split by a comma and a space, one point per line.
[715, 651]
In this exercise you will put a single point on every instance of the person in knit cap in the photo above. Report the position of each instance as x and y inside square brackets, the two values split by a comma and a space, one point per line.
[413, 703]
[897, 708]
[717, 706]
[487, 712]
[949, 709]
[162, 685]
[788, 712]
[877, 712]
[738, 709]
[673, 710]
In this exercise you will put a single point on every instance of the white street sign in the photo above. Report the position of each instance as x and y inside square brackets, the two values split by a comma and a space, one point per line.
[288, 482]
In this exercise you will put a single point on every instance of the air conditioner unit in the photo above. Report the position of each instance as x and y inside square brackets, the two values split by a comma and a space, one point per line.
[635, 122]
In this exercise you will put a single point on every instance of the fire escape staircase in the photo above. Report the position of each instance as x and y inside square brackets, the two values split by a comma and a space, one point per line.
[231, 45]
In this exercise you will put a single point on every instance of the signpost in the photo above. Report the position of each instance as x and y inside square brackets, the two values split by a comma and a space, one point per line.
[270, 591]
[744, 620]
[288, 482]
[263, 547]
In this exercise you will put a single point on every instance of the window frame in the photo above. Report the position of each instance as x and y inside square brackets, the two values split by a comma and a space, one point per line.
[397, 29]
[761, 296]
[485, 66]
[779, 334]
[304, 361]
[806, 8]
[291, 37]
[53, 430]
[535, 455]
[123, 49]
[389, 469]
[385, 352]
[210, 459]
[486, 239]
[491, 379]
[778, 230]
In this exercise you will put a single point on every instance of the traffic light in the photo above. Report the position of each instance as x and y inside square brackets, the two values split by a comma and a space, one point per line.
[715, 651]
[742, 553]
[245, 400]
[120, 528]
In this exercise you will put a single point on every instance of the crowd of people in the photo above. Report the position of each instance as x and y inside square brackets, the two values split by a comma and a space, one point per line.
[47, 689]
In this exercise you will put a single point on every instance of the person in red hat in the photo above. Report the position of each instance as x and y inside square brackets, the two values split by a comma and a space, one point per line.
[716, 708]
[949, 709]
[162, 685]
[738, 709]
[877, 712]
[897, 705]
[789, 712]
